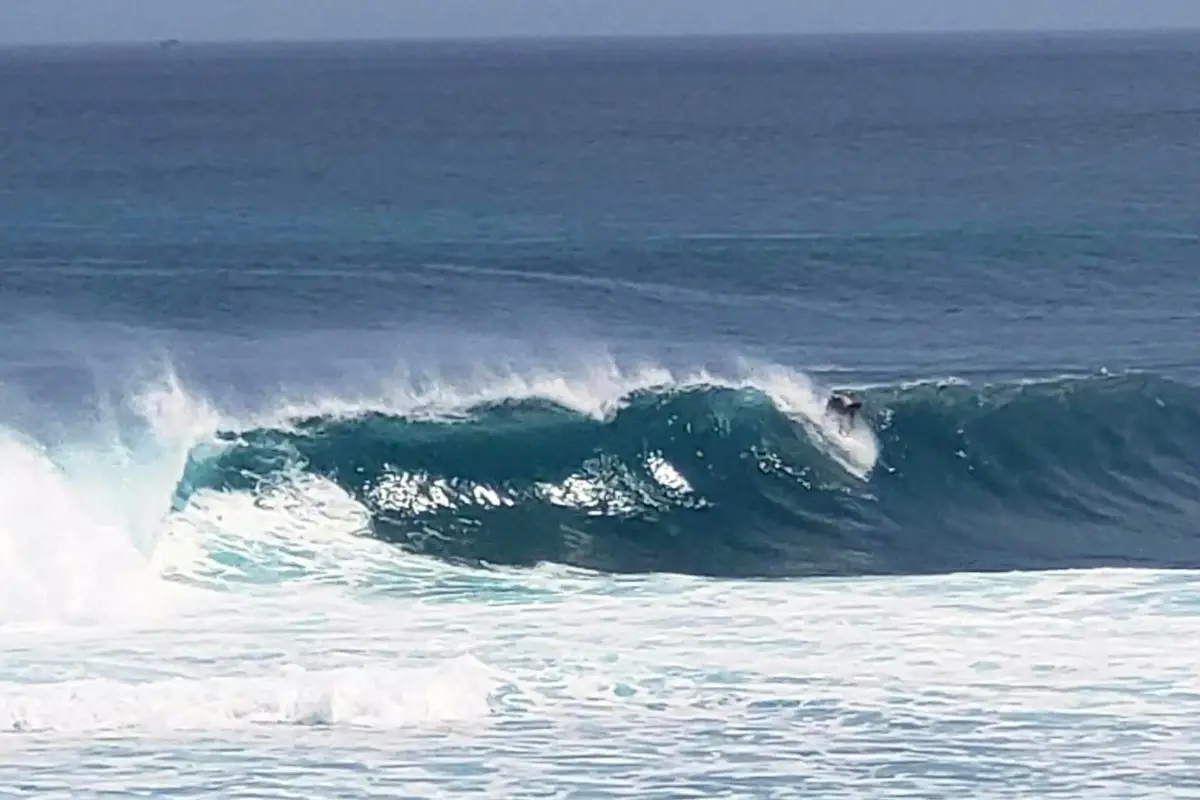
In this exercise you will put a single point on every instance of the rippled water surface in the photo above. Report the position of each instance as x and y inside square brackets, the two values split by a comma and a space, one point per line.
[429, 420]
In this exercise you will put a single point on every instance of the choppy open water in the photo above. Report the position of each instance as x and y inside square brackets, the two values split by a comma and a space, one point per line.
[422, 420]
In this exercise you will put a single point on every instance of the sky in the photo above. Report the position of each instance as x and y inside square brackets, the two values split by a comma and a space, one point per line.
[48, 21]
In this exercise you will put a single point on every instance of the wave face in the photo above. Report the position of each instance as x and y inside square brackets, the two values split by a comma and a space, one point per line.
[721, 481]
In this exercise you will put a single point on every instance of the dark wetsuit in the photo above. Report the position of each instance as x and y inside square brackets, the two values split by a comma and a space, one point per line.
[846, 406]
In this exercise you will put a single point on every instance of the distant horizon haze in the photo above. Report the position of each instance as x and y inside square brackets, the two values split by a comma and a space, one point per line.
[128, 21]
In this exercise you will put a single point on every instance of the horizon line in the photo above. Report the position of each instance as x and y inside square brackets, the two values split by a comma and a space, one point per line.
[583, 37]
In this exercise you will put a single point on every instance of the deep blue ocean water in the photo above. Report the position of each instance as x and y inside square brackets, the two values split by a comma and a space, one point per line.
[526, 306]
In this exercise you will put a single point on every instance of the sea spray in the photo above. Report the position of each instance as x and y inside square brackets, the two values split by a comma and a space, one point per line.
[725, 478]
[79, 514]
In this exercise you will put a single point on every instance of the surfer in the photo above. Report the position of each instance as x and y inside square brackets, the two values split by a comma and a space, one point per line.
[845, 406]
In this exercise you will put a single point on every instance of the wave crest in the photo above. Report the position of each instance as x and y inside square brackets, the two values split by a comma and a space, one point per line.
[741, 480]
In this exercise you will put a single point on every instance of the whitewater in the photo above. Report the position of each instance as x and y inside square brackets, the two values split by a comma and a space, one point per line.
[441, 419]
[242, 642]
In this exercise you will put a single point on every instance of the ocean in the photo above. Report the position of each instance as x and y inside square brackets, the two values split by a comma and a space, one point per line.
[441, 419]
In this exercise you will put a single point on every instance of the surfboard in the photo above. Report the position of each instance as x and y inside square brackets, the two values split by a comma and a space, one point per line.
[855, 449]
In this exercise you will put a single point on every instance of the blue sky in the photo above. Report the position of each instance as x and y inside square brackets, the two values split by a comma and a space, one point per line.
[23, 21]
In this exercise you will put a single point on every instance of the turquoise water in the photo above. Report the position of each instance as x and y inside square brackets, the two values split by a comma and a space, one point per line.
[418, 420]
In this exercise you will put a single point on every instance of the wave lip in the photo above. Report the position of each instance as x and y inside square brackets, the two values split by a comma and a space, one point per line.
[726, 480]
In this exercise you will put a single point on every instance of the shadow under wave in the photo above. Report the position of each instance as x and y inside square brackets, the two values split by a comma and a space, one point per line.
[1079, 472]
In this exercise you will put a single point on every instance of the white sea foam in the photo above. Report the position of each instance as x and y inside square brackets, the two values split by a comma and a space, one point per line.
[78, 519]
[322, 656]
[596, 387]
[56, 558]
[84, 521]
[356, 696]
[1013, 685]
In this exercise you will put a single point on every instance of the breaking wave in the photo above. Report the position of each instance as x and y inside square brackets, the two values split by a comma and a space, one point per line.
[740, 480]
